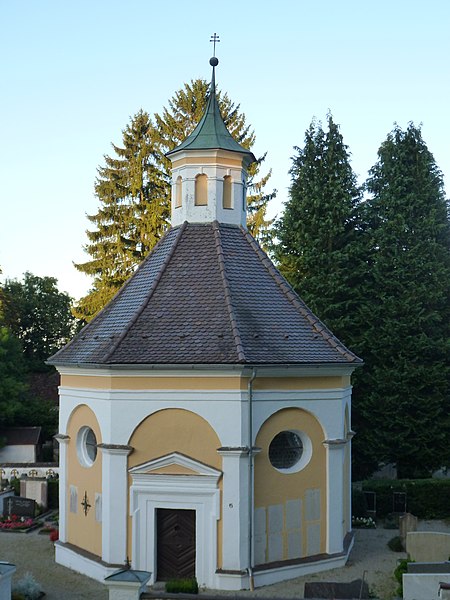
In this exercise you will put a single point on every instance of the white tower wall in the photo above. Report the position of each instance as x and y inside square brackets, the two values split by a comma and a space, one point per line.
[216, 165]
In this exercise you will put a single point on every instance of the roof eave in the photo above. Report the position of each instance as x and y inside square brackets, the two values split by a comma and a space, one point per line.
[310, 367]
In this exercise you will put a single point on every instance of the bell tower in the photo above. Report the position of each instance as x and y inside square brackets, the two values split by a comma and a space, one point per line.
[209, 171]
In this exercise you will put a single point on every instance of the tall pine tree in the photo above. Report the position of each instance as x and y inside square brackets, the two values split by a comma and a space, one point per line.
[401, 401]
[134, 191]
[320, 248]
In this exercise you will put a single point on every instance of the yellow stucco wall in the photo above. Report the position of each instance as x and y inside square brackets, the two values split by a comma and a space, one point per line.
[83, 530]
[175, 430]
[275, 489]
[151, 383]
[234, 382]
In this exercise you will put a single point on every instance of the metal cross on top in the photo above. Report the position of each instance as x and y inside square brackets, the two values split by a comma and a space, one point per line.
[85, 504]
[214, 39]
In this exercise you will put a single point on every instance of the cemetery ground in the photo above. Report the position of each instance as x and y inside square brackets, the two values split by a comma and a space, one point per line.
[370, 556]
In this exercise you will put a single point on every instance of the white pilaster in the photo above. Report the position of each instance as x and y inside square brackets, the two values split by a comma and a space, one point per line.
[63, 496]
[335, 494]
[348, 508]
[235, 508]
[114, 503]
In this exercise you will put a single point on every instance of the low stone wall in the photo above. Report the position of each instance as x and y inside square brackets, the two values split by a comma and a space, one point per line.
[16, 470]
[428, 546]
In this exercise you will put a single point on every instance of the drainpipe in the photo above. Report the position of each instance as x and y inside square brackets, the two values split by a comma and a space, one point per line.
[250, 479]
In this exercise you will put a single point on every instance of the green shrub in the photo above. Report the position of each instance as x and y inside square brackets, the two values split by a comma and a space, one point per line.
[425, 498]
[184, 586]
[402, 567]
[15, 484]
[395, 544]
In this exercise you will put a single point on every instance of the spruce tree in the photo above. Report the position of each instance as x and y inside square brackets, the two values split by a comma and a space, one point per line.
[132, 217]
[133, 189]
[401, 400]
[319, 234]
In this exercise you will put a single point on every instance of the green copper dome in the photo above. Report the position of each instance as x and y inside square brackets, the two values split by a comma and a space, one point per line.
[211, 132]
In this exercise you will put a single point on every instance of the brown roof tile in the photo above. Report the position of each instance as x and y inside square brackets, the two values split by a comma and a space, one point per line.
[207, 294]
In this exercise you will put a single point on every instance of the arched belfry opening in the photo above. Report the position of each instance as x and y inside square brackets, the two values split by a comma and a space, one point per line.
[201, 190]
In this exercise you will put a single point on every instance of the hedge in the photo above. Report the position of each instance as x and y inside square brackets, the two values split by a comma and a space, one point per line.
[425, 498]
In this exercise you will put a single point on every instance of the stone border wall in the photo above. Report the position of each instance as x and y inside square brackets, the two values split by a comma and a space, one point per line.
[17, 470]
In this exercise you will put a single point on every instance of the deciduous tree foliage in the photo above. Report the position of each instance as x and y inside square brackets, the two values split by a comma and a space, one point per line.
[13, 385]
[12, 372]
[133, 189]
[320, 247]
[401, 401]
[39, 315]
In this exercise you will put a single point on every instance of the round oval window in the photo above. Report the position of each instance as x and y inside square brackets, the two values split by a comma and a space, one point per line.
[285, 450]
[86, 446]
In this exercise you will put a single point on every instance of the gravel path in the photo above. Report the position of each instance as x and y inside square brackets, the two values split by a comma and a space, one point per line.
[370, 556]
[35, 553]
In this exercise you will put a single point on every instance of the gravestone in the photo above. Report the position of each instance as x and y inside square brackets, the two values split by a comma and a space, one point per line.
[407, 523]
[36, 489]
[3, 496]
[21, 507]
[337, 591]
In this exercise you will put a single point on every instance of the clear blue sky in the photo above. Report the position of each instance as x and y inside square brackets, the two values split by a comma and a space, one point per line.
[72, 74]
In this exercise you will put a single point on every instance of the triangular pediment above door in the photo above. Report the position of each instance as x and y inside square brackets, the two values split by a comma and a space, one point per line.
[175, 464]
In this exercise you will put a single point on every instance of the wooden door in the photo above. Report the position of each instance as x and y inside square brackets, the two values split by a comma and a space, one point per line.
[175, 531]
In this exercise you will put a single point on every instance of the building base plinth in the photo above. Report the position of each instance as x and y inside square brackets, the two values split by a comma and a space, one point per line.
[81, 562]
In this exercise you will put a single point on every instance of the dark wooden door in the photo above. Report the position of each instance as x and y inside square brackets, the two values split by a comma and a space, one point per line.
[175, 531]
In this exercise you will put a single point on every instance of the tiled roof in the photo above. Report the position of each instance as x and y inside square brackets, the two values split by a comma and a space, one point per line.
[21, 436]
[207, 294]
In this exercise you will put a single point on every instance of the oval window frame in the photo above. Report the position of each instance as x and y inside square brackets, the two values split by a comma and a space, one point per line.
[304, 458]
[84, 457]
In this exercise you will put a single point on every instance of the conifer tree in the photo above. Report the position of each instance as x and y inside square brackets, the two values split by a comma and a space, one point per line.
[133, 215]
[401, 401]
[320, 249]
[134, 191]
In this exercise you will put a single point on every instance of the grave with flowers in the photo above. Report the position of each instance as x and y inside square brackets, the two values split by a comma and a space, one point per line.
[18, 515]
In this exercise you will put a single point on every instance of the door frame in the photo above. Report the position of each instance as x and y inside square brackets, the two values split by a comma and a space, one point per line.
[196, 489]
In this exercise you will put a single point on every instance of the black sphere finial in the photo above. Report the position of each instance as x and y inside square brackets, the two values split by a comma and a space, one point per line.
[214, 61]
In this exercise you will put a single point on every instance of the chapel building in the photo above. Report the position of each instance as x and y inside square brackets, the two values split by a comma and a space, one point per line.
[205, 411]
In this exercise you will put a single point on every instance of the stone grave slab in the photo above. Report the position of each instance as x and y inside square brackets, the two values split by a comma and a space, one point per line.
[332, 590]
[21, 507]
[407, 523]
